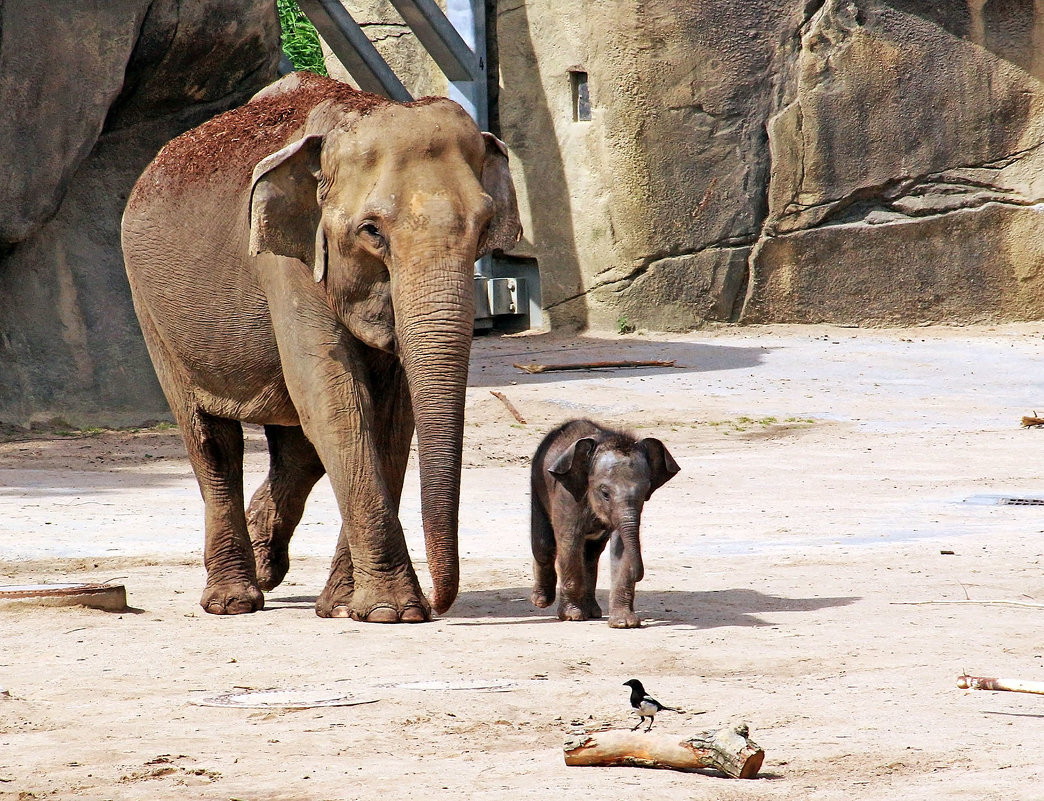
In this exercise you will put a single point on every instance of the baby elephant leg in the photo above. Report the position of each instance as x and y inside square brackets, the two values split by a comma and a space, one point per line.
[592, 552]
[543, 540]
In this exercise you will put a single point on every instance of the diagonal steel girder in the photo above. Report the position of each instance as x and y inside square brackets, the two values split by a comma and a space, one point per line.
[354, 50]
[442, 41]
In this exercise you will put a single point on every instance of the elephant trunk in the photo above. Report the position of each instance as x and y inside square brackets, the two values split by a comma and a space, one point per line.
[434, 324]
[631, 551]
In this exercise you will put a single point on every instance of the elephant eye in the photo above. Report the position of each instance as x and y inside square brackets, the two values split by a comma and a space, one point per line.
[604, 492]
[371, 230]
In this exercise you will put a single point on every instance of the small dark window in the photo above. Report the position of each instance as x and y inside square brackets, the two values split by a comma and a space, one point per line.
[581, 96]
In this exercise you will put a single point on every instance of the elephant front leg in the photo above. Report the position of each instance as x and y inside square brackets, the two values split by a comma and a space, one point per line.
[390, 593]
[215, 449]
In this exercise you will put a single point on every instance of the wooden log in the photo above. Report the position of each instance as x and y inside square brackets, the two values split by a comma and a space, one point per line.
[1011, 685]
[728, 750]
[509, 405]
[548, 368]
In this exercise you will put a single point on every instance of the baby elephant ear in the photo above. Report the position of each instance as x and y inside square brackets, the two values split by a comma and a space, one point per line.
[284, 202]
[505, 229]
[572, 467]
[662, 467]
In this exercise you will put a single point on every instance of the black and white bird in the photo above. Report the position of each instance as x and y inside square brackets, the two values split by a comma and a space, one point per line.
[644, 705]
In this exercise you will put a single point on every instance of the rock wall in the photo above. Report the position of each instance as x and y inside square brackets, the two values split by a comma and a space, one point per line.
[90, 93]
[856, 161]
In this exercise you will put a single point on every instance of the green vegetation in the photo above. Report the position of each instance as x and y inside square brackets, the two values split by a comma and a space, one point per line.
[624, 326]
[300, 39]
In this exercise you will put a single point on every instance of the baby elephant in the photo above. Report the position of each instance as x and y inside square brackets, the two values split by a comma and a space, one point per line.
[589, 485]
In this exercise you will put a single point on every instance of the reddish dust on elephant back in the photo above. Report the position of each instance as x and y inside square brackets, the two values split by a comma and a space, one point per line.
[247, 134]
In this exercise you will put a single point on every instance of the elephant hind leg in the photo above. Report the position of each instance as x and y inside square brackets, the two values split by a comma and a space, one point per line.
[592, 552]
[543, 540]
[215, 449]
[278, 504]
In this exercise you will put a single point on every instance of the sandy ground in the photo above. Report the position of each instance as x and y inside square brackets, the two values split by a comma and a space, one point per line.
[830, 476]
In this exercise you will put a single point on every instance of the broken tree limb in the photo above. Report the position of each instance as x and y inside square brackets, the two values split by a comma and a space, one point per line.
[1032, 422]
[971, 602]
[1011, 685]
[510, 406]
[728, 750]
[548, 368]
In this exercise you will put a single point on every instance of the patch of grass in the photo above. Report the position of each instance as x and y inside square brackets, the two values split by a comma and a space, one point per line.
[300, 39]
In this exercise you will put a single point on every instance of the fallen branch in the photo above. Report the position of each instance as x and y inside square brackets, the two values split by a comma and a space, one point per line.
[548, 368]
[727, 750]
[1026, 604]
[1011, 685]
[510, 406]
[1031, 422]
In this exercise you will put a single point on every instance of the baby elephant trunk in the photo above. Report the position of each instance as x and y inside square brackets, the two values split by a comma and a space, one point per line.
[627, 550]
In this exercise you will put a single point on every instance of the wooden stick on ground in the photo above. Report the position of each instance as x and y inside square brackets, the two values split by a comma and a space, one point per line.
[1011, 685]
[547, 368]
[972, 602]
[1030, 422]
[510, 406]
[728, 750]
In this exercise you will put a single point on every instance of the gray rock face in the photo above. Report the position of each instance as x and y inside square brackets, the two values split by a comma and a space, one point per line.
[90, 93]
[907, 168]
[790, 160]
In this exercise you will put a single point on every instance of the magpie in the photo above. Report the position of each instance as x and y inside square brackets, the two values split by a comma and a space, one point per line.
[644, 704]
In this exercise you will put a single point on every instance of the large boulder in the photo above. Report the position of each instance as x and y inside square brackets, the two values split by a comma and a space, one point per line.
[90, 93]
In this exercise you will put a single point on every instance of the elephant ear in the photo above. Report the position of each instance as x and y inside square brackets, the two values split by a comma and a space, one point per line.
[284, 204]
[572, 468]
[662, 467]
[505, 229]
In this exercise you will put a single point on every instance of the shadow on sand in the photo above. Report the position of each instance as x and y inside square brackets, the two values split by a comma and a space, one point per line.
[493, 359]
[700, 610]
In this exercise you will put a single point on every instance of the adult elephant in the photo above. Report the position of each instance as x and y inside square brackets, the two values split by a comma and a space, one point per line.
[305, 262]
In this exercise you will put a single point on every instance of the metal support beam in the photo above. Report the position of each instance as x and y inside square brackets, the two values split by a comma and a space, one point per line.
[353, 49]
[442, 41]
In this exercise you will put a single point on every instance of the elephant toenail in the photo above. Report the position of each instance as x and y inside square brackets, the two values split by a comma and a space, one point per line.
[413, 614]
[382, 614]
[340, 611]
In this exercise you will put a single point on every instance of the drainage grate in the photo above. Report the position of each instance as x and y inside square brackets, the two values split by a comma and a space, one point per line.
[1020, 501]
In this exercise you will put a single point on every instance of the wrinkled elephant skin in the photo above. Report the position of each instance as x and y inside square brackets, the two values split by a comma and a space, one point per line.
[305, 262]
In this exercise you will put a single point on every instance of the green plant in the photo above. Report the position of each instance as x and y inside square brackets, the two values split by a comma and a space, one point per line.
[300, 39]
[624, 326]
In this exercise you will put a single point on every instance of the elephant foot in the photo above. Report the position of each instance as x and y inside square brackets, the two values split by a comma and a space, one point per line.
[571, 611]
[368, 606]
[232, 598]
[542, 598]
[272, 562]
[624, 619]
[592, 609]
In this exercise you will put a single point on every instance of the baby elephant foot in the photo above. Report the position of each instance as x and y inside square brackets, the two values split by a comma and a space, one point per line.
[541, 597]
[232, 598]
[571, 611]
[592, 609]
[623, 619]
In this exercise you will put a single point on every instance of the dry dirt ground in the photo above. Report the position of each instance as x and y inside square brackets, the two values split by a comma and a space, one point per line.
[830, 478]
